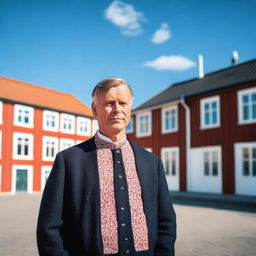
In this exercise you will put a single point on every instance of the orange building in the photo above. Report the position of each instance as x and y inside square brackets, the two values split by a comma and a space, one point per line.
[35, 124]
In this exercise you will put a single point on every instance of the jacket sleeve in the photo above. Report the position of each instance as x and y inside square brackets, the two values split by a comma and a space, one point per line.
[49, 225]
[166, 218]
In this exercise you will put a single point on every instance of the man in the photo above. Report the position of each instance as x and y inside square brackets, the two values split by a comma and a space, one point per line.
[107, 195]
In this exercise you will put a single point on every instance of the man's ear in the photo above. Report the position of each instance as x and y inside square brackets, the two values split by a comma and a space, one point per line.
[94, 110]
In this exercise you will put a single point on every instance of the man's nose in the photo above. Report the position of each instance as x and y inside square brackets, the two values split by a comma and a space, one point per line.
[116, 107]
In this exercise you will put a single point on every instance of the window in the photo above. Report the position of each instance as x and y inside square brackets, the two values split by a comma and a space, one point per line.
[211, 163]
[50, 121]
[23, 146]
[210, 112]
[143, 124]
[67, 123]
[22, 178]
[170, 119]
[83, 126]
[129, 127]
[247, 106]
[249, 161]
[45, 173]
[66, 143]
[170, 160]
[50, 148]
[95, 126]
[1, 112]
[23, 116]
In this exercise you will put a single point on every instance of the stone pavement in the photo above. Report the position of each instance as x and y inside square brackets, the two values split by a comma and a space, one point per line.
[202, 231]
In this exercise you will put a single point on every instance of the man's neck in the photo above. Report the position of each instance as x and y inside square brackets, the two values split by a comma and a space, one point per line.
[114, 138]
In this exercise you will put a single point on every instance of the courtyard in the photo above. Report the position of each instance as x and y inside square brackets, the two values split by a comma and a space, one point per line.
[202, 231]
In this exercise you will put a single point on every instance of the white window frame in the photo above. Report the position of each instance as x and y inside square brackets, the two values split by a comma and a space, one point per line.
[147, 133]
[30, 138]
[131, 130]
[209, 100]
[63, 141]
[43, 171]
[81, 120]
[210, 151]
[64, 116]
[170, 150]
[30, 110]
[44, 144]
[54, 114]
[1, 112]
[163, 112]
[95, 126]
[240, 95]
[30, 177]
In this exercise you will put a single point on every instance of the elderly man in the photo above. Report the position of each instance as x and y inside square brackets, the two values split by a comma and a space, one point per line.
[107, 195]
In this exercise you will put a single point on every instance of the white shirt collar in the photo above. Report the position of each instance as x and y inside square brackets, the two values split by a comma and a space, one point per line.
[107, 139]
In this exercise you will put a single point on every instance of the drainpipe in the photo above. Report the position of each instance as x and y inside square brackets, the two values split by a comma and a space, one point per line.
[188, 141]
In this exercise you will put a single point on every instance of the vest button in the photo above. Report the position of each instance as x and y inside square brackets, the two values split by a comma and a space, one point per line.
[122, 188]
[123, 225]
[122, 208]
[127, 251]
[120, 176]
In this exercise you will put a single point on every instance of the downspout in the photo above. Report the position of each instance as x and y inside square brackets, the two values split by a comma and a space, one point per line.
[188, 141]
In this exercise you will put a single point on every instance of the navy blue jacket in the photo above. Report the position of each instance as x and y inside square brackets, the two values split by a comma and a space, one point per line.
[69, 220]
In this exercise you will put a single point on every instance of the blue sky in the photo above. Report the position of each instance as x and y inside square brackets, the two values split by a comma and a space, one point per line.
[70, 45]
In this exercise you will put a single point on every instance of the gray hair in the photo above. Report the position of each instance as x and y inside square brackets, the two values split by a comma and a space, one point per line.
[108, 83]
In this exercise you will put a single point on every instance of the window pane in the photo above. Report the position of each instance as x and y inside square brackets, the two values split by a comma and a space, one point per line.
[245, 112]
[245, 99]
[254, 153]
[19, 149]
[26, 150]
[254, 111]
[254, 167]
[245, 167]
[245, 153]
[214, 105]
[206, 164]
[215, 163]
[214, 117]
[207, 118]
[167, 163]
[254, 97]
[173, 163]
[206, 107]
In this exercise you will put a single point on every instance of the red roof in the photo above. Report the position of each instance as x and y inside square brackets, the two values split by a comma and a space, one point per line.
[26, 93]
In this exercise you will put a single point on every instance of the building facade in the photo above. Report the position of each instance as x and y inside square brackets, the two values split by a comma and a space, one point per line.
[35, 124]
[205, 131]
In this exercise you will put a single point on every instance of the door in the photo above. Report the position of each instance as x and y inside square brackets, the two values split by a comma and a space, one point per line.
[21, 180]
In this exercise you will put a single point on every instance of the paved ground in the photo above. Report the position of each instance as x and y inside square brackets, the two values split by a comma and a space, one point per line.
[201, 231]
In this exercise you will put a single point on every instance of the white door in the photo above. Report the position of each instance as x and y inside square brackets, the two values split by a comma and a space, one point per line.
[170, 158]
[245, 168]
[206, 171]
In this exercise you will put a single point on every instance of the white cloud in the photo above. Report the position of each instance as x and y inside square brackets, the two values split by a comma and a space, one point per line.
[162, 34]
[170, 63]
[126, 17]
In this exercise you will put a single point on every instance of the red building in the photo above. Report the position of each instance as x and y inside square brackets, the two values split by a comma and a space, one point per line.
[36, 123]
[204, 130]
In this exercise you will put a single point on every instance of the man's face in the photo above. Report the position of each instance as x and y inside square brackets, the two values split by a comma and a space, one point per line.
[112, 109]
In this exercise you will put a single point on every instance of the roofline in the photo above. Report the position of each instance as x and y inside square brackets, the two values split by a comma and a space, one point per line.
[35, 85]
[190, 96]
[167, 104]
[43, 107]
[214, 72]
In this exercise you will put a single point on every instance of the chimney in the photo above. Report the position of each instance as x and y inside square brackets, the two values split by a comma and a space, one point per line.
[235, 58]
[200, 66]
